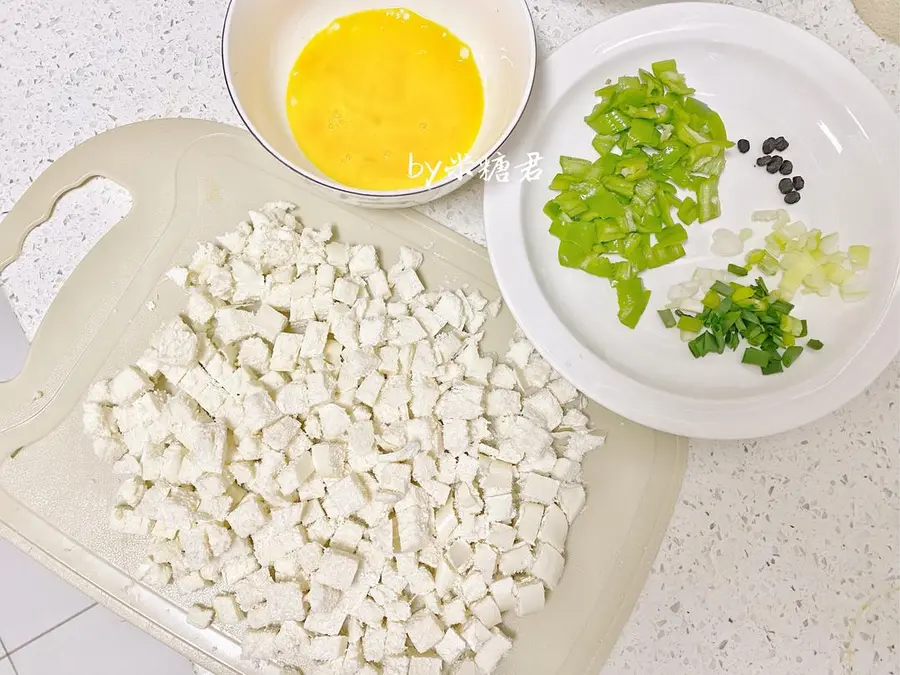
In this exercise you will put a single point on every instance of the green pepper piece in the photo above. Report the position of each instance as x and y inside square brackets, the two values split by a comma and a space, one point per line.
[633, 299]
[645, 112]
[570, 203]
[562, 181]
[652, 86]
[687, 212]
[632, 97]
[603, 144]
[709, 117]
[599, 267]
[552, 210]
[688, 135]
[669, 155]
[703, 151]
[608, 229]
[628, 82]
[624, 270]
[664, 208]
[557, 229]
[675, 234]
[604, 203]
[580, 232]
[645, 189]
[644, 132]
[609, 123]
[570, 255]
[708, 199]
[667, 73]
[618, 185]
[607, 164]
[660, 255]
[650, 223]
[633, 168]
[574, 166]
[680, 177]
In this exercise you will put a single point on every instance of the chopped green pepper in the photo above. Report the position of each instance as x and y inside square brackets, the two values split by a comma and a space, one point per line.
[633, 299]
[652, 138]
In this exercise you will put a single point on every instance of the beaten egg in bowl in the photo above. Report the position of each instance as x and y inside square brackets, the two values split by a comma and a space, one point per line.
[379, 93]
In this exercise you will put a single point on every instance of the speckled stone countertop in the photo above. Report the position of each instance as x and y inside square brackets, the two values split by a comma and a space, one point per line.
[782, 556]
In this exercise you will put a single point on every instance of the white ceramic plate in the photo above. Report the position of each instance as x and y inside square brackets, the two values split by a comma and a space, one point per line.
[766, 78]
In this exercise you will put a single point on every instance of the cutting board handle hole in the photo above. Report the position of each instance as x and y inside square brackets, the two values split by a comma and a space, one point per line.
[54, 249]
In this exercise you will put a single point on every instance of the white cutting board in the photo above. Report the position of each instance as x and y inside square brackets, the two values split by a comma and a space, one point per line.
[191, 180]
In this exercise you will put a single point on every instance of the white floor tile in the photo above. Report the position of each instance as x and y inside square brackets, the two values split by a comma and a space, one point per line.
[100, 643]
[32, 598]
[6, 668]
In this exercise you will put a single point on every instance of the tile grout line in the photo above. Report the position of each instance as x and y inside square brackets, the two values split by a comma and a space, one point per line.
[49, 630]
[7, 658]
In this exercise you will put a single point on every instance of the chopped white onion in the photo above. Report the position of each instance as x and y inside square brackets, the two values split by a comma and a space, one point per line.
[726, 243]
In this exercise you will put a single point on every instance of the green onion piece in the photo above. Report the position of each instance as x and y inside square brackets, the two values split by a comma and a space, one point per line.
[790, 355]
[667, 318]
[772, 368]
[755, 256]
[782, 307]
[815, 345]
[690, 323]
[698, 346]
[711, 299]
[741, 293]
[737, 270]
[722, 288]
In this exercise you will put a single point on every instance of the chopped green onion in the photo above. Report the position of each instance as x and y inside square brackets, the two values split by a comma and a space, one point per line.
[698, 346]
[690, 323]
[772, 368]
[737, 270]
[790, 355]
[815, 345]
[711, 299]
[722, 288]
[755, 357]
[667, 318]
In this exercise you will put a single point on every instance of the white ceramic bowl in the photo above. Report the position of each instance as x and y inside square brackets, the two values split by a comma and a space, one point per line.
[262, 39]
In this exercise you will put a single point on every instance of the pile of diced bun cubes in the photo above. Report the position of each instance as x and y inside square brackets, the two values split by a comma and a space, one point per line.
[321, 459]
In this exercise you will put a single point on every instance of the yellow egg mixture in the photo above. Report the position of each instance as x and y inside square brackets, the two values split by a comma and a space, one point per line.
[379, 86]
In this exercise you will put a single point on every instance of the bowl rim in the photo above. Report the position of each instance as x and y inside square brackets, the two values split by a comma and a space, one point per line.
[354, 192]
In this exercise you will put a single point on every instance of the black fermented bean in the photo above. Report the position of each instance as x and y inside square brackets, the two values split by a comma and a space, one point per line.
[787, 168]
[792, 197]
[785, 185]
[743, 145]
[799, 183]
[775, 164]
[781, 144]
[768, 146]
[762, 161]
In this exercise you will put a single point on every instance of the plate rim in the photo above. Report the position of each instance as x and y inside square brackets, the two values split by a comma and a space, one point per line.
[614, 389]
